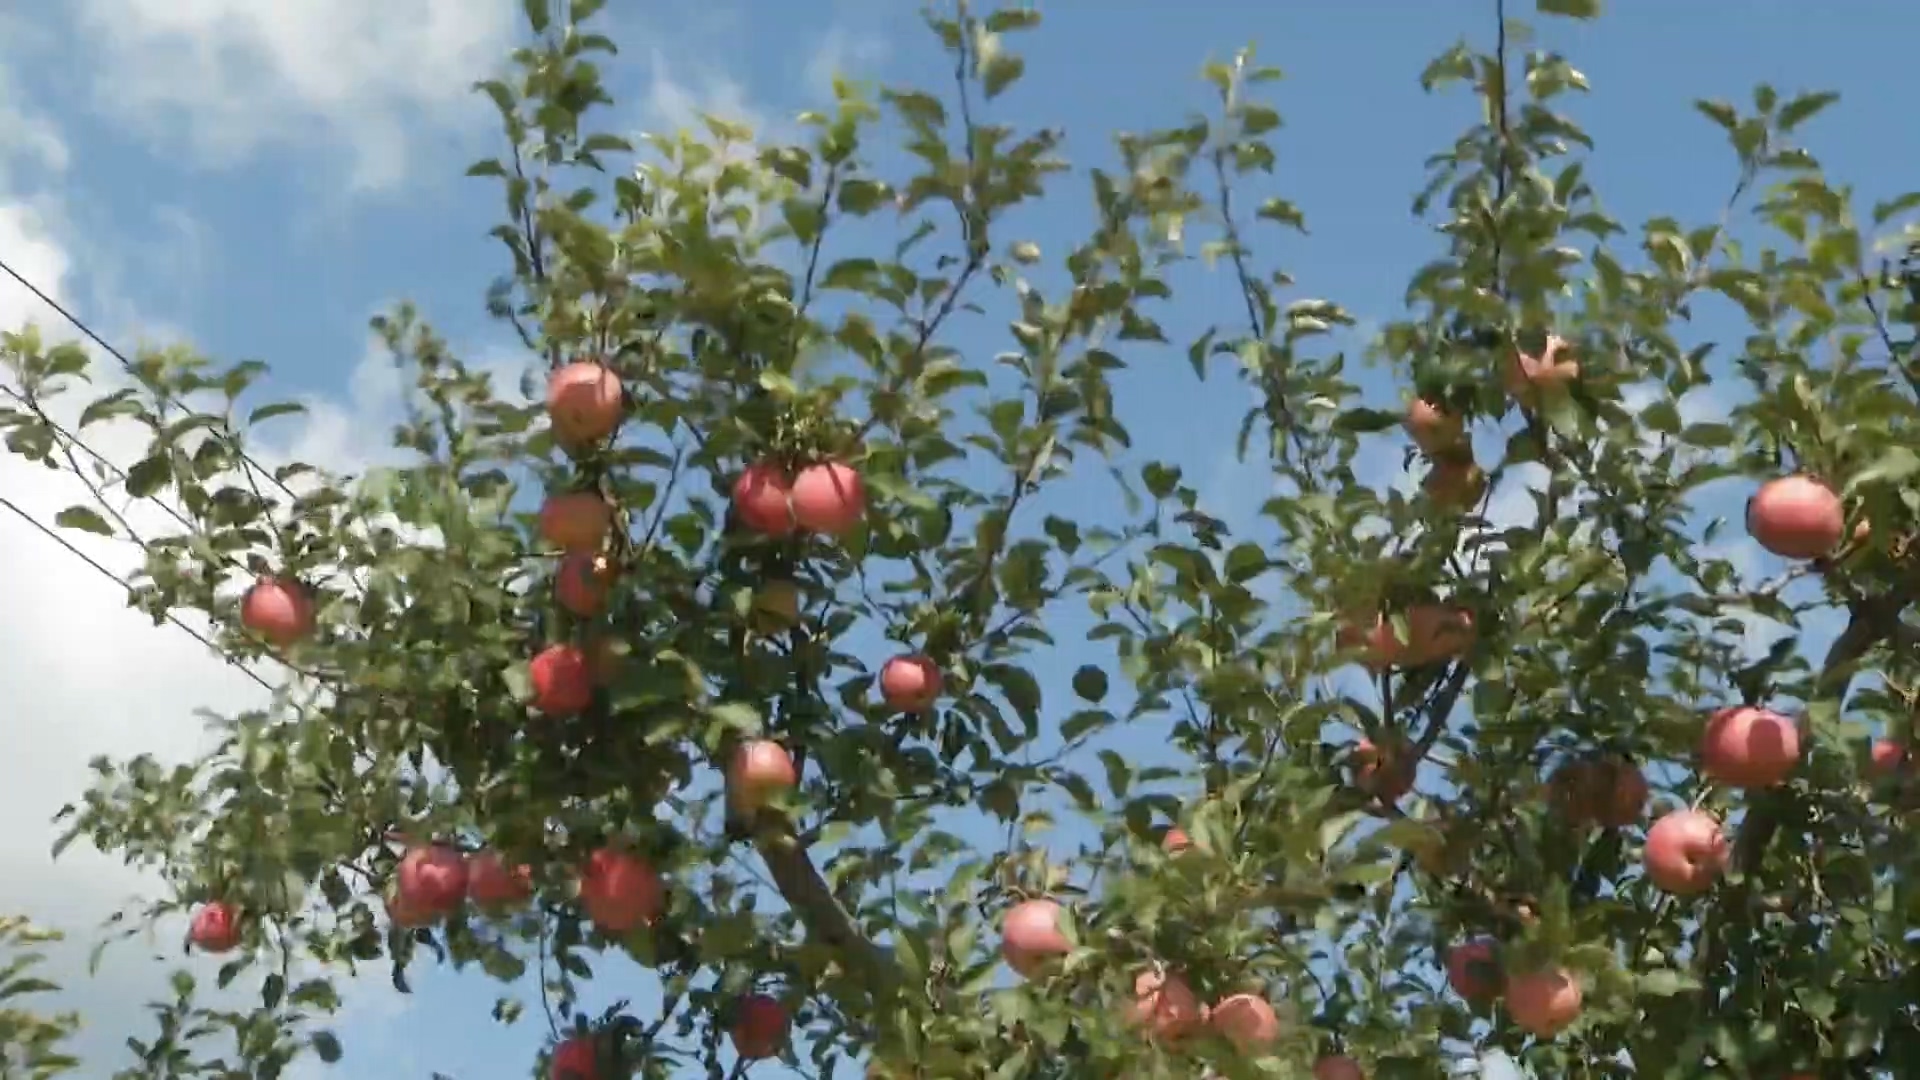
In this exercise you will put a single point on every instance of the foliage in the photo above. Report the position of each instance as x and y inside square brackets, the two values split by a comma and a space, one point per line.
[31, 1043]
[717, 275]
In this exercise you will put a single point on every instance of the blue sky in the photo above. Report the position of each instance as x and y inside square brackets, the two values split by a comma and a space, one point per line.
[260, 177]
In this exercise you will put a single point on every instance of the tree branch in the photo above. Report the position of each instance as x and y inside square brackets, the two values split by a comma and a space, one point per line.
[807, 893]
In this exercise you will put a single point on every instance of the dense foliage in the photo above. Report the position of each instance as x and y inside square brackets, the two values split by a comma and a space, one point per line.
[1365, 788]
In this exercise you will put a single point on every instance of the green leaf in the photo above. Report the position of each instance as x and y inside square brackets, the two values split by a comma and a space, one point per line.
[1090, 683]
[539, 14]
[1803, 108]
[280, 408]
[1895, 465]
[1001, 72]
[327, 1045]
[83, 518]
[1572, 9]
[149, 475]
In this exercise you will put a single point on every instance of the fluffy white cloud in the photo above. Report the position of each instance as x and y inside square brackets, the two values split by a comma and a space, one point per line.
[234, 77]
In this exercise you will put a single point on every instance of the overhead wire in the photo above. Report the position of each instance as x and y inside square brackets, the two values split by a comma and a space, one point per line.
[106, 572]
[225, 432]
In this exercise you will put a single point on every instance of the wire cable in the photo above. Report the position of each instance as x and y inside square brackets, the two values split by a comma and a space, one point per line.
[225, 432]
[99, 568]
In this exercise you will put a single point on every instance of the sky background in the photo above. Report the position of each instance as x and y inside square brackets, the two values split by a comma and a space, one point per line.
[258, 177]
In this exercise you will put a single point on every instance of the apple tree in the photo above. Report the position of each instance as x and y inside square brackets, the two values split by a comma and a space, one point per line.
[760, 645]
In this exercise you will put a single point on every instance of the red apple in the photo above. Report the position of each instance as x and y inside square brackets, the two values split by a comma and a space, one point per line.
[1436, 633]
[1164, 1004]
[910, 683]
[575, 521]
[1745, 747]
[1454, 482]
[492, 885]
[581, 583]
[620, 891]
[1030, 937]
[405, 914]
[1796, 517]
[1246, 1020]
[759, 1027]
[279, 610]
[575, 1059]
[763, 499]
[1432, 428]
[829, 498]
[1605, 791]
[1530, 378]
[1544, 1002]
[1338, 1067]
[584, 403]
[1175, 840]
[1686, 852]
[1385, 772]
[1473, 970]
[1373, 635]
[760, 771]
[1886, 758]
[562, 680]
[431, 879]
[215, 927]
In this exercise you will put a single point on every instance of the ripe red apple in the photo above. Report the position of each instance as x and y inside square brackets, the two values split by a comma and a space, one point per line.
[1246, 1020]
[1386, 772]
[761, 770]
[1373, 635]
[215, 928]
[1886, 757]
[1436, 633]
[431, 879]
[1745, 747]
[776, 607]
[1338, 1067]
[279, 610]
[1544, 1002]
[575, 1059]
[1796, 517]
[763, 499]
[581, 583]
[1605, 792]
[1165, 1005]
[1030, 937]
[1432, 428]
[1175, 840]
[584, 403]
[562, 680]
[575, 521]
[1686, 852]
[829, 498]
[494, 886]
[759, 1027]
[405, 914]
[1454, 482]
[910, 683]
[1473, 970]
[620, 891]
[1529, 378]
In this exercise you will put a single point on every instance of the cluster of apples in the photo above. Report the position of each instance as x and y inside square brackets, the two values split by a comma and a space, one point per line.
[1454, 481]
[1164, 1003]
[760, 1028]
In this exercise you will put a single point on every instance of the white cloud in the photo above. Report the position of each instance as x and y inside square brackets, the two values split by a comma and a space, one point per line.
[843, 51]
[235, 77]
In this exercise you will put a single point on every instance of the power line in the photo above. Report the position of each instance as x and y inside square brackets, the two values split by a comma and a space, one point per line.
[226, 432]
[75, 442]
[102, 570]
